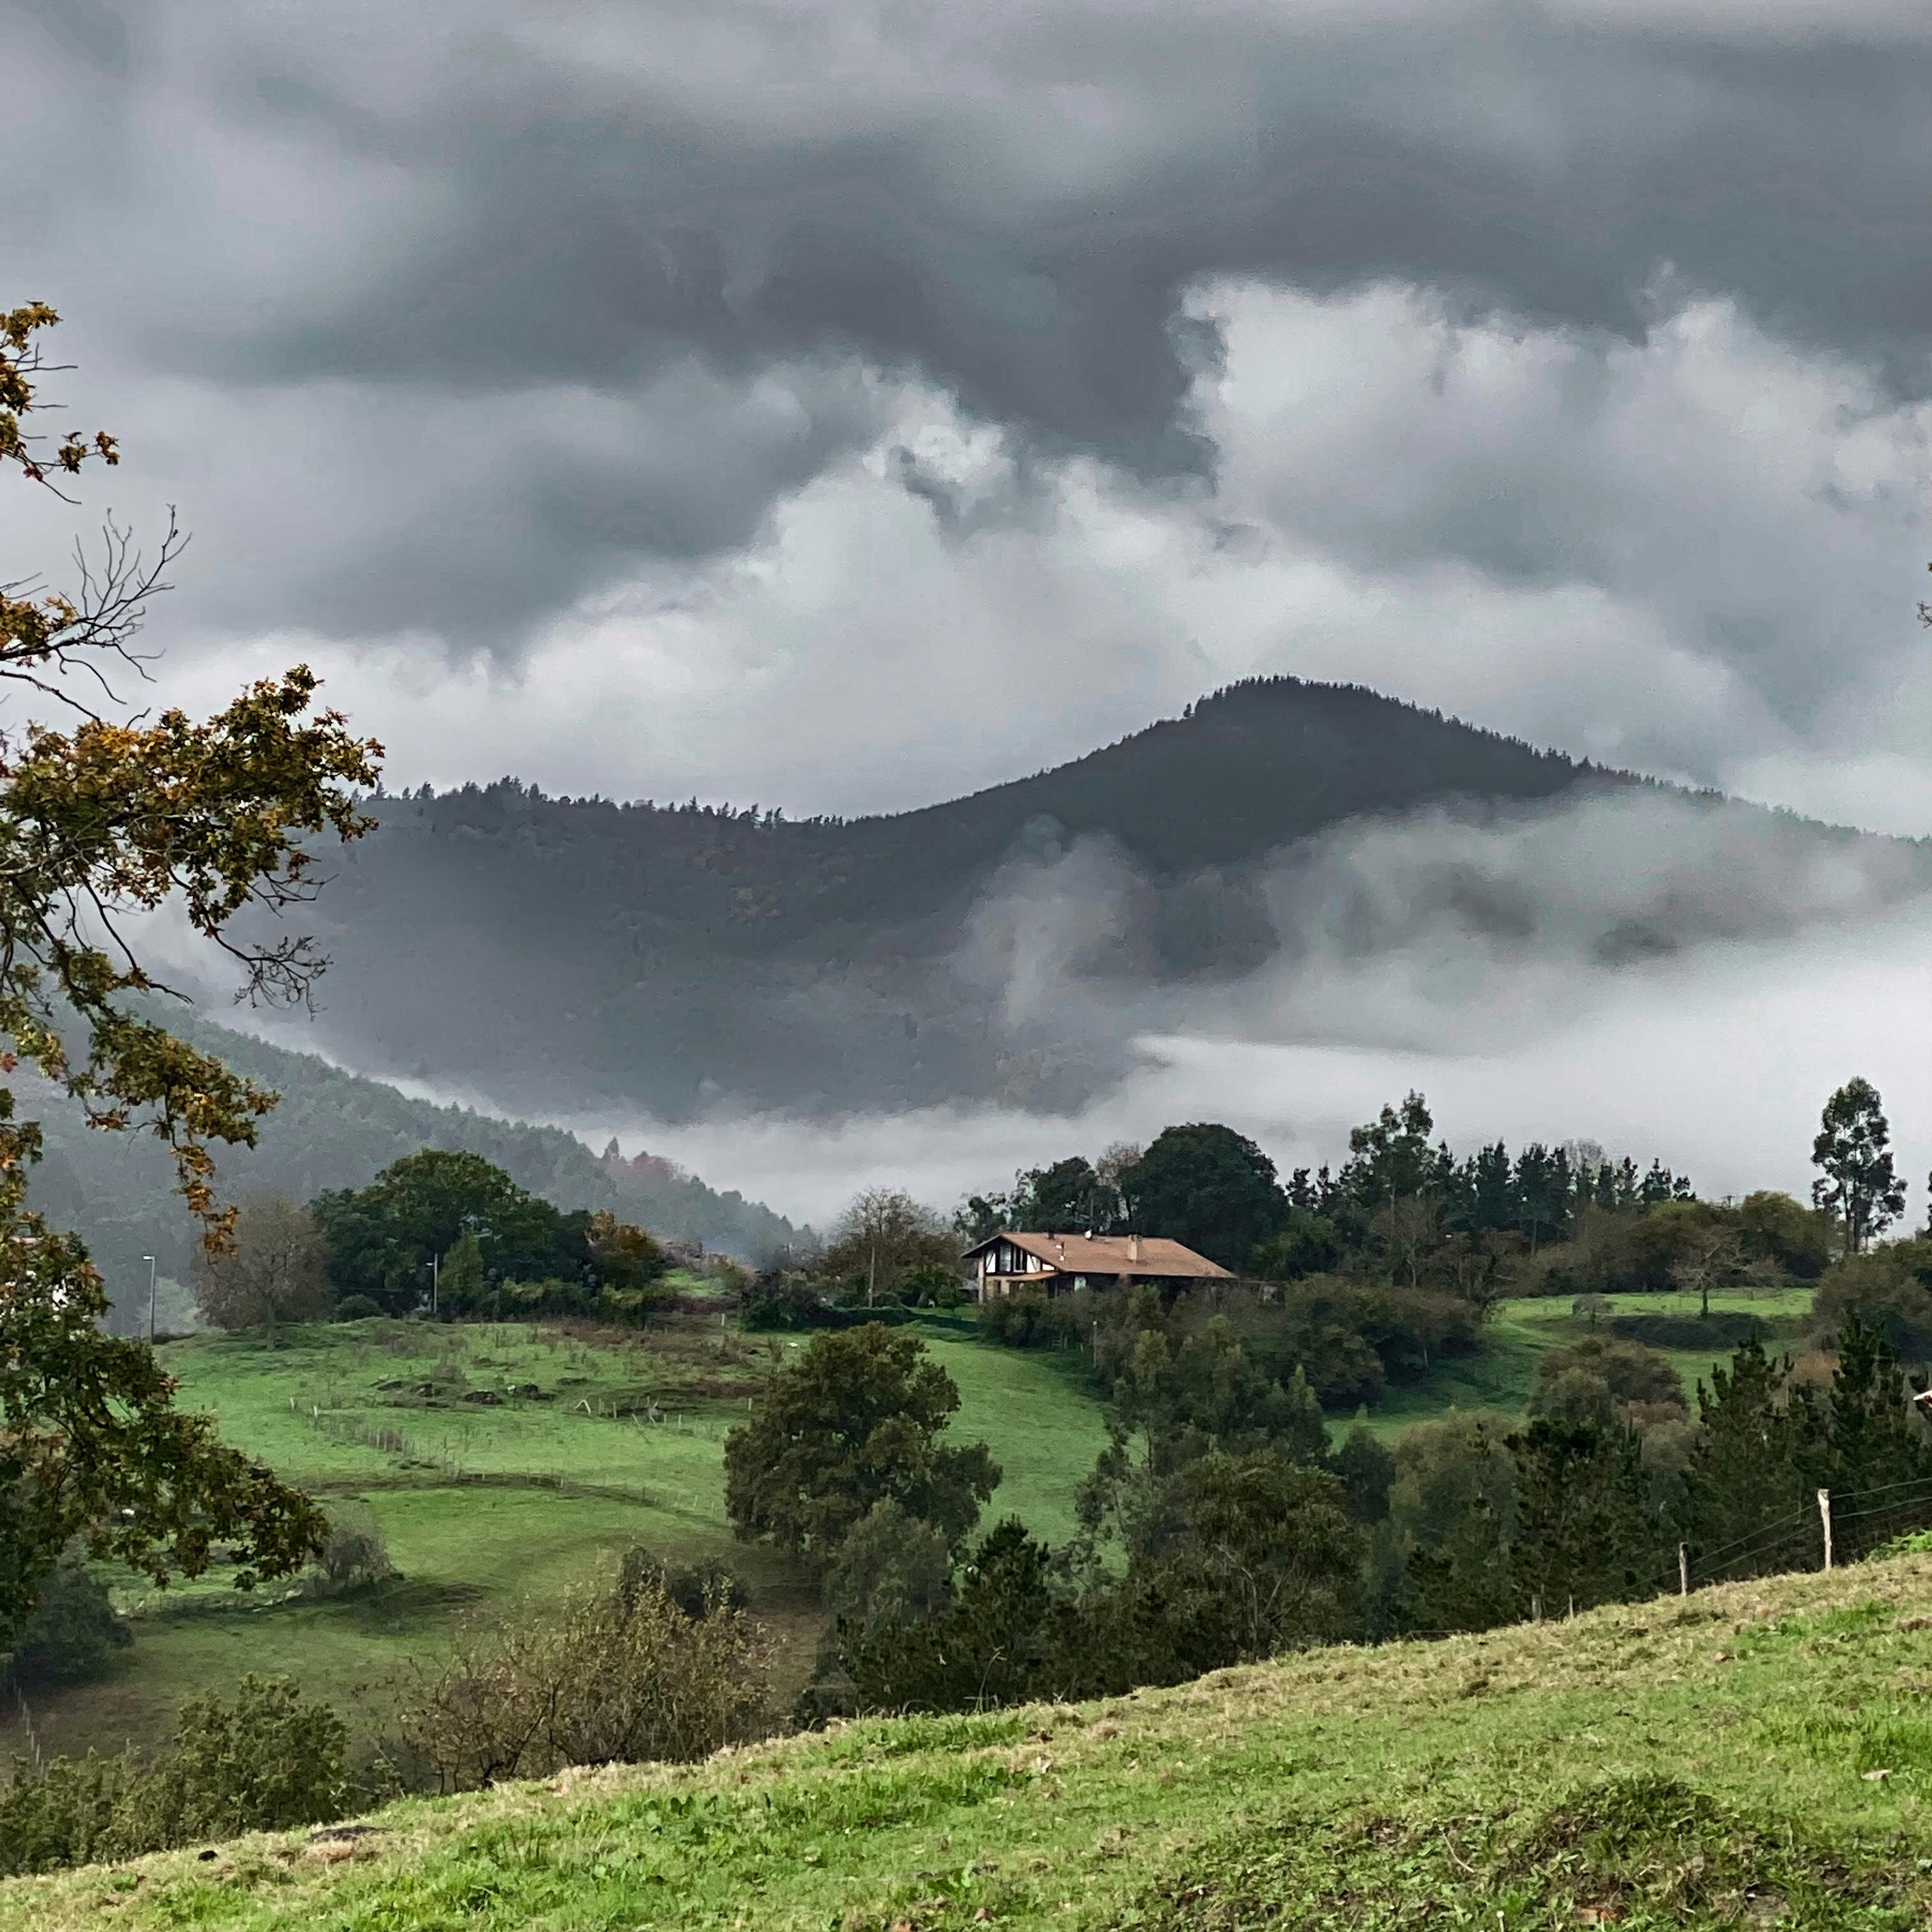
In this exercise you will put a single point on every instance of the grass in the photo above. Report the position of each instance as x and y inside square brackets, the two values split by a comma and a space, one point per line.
[485, 1505]
[1502, 1376]
[1756, 1755]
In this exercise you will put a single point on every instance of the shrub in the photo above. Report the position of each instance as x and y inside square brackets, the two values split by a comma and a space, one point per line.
[782, 1299]
[609, 1675]
[355, 1308]
[697, 1588]
[1594, 1379]
[354, 1552]
[1885, 1287]
[268, 1763]
[73, 1631]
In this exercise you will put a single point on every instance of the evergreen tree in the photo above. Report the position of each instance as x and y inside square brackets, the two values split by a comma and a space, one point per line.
[1877, 1460]
[1586, 1532]
[1857, 1182]
[1746, 1499]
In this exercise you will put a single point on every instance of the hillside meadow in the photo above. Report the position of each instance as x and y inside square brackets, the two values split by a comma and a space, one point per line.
[487, 1504]
[1754, 1755]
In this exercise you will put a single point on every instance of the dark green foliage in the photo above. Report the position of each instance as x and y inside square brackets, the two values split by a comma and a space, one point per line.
[355, 1308]
[1875, 1452]
[381, 1238]
[1305, 1243]
[1205, 1393]
[1244, 1557]
[1747, 1508]
[892, 1568]
[1003, 1639]
[1888, 1289]
[266, 1763]
[782, 1298]
[1586, 1531]
[1247, 1556]
[1857, 1182]
[72, 1635]
[1208, 1187]
[1774, 1227]
[855, 1417]
[1367, 1468]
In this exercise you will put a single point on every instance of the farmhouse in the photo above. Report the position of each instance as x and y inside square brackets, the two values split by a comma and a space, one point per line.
[1051, 1262]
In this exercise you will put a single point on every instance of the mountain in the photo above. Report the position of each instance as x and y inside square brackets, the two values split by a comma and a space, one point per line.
[334, 1130]
[564, 955]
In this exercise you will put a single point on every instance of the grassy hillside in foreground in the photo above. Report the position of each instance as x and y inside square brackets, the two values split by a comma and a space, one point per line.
[484, 1506]
[1756, 1755]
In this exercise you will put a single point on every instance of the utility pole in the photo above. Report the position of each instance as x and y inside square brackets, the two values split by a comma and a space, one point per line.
[150, 1260]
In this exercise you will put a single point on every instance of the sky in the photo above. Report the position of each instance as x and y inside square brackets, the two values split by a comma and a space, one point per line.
[843, 405]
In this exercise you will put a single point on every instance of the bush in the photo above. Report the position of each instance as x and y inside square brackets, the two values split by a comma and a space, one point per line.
[1593, 1380]
[355, 1308]
[782, 1299]
[697, 1589]
[353, 1554]
[1885, 1287]
[268, 1763]
[610, 1675]
[74, 1632]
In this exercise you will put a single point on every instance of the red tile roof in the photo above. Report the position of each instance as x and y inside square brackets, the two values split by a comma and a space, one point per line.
[1150, 1255]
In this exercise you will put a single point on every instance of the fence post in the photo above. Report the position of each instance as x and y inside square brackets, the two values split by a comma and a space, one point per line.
[1684, 1569]
[1536, 1606]
[1825, 1517]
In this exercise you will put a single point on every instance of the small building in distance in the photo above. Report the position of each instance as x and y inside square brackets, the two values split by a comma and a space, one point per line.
[1053, 1262]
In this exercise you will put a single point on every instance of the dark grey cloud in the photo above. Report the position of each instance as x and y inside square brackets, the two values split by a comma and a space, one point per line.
[348, 222]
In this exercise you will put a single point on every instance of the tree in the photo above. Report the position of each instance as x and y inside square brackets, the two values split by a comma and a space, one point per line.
[1714, 1258]
[1209, 1188]
[383, 1238]
[881, 1237]
[1888, 1289]
[1746, 1504]
[1857, 1182]
[854, 1418]
[274, 1270]
[99, 824]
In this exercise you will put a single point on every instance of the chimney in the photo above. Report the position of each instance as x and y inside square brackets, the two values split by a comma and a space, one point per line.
[1134, 1248]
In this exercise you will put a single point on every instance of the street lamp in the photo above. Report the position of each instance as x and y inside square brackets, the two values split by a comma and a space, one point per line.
[150, 1260]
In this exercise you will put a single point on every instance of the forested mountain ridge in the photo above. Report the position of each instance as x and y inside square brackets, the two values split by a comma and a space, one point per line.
[333, 1129]
[558, 953]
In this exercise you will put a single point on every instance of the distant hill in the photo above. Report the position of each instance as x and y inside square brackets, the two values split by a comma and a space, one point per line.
[334, 1129]
[563, 954]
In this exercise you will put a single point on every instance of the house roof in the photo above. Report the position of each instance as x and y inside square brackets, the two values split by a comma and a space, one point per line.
[1111, 1254]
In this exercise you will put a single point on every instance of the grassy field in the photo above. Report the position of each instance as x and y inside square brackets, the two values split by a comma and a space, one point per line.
[1501, 1377]
[485, 1504]
[1753, 1756]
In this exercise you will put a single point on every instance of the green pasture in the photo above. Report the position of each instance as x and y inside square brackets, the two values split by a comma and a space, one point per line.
[1501, 1377]
[483, 1505]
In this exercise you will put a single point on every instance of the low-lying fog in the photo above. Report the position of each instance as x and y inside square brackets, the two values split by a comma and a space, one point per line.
[1668, 980]
[1717, 1065]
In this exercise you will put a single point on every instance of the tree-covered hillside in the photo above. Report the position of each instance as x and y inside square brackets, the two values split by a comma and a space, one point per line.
[555, 953]
[335, 1130]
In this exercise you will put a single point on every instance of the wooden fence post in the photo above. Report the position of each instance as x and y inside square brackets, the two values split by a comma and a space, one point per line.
[1684, 1569]
[1825, 1517]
